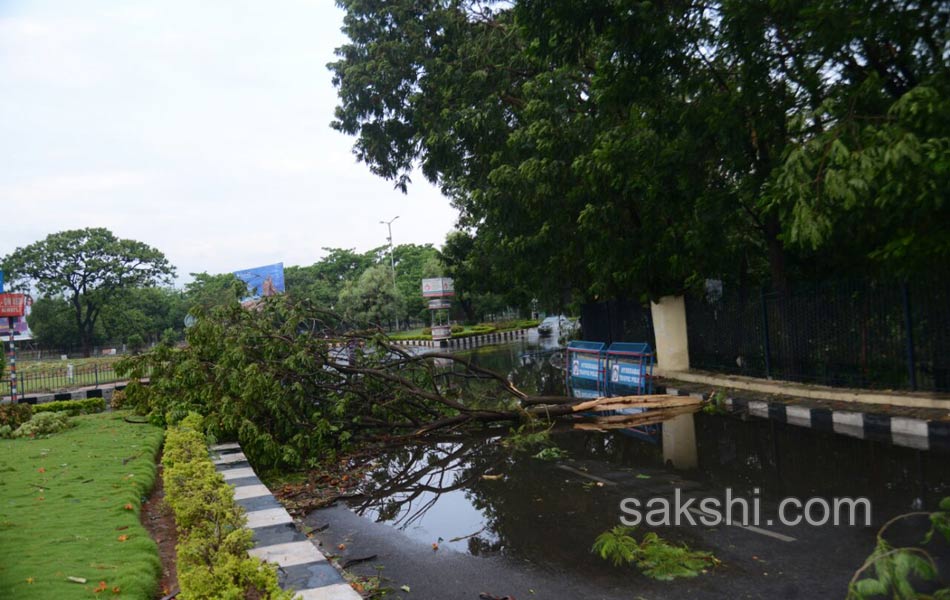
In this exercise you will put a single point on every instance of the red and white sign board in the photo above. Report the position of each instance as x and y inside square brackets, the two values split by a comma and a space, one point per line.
[12, 305]
[438, 287]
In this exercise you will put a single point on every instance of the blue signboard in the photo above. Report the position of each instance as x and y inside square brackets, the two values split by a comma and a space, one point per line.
[627, 374]
[630, 368]
[585, 365]
[1, 281]
[262, 281]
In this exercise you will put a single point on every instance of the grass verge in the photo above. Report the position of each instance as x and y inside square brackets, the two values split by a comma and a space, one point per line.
[69, 507]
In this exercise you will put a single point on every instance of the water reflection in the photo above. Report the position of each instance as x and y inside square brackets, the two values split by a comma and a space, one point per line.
[477, 496]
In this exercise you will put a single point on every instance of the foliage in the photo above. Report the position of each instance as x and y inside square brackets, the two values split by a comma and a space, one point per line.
[371, 300]
[716, 405]
[635, 150]
[527, 437]
[15, 415]
[294, 391]
[657, 558]
[207, 291]
[43, 424]
[86, 406]
[118, 400]
[65, 502]
[213, 542]
[893, 571]
[88, 267]
[552, 453]
[617, 546]
[260, 376]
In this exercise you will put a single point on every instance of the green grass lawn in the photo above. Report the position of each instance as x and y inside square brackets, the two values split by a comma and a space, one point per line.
[63, 511]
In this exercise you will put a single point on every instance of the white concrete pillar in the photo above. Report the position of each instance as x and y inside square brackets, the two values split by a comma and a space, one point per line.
[669, 325]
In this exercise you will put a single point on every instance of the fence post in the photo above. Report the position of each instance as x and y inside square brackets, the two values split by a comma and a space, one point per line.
[909, 327]
[96, 371]
[766, 343]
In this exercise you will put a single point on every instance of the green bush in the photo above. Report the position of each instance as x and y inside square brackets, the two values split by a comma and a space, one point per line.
[14, 415]
[457, 329]
[213, 542]
[44, 424]
[74, 408]
[427, 331]
[118, 400]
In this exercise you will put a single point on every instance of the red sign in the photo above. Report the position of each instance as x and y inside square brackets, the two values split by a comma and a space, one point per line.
[12, 305]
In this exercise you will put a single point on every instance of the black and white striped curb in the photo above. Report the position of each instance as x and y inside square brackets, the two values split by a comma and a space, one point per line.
[101, 392]
[301, 566]
[471, 341]
[920, 434]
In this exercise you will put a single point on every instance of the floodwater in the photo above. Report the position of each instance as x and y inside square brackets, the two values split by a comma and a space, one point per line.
[480, 497]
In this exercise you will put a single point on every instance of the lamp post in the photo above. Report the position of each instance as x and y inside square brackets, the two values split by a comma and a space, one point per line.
[392, 261]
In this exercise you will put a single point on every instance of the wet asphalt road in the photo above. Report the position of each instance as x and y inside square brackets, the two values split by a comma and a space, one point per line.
[818, 563]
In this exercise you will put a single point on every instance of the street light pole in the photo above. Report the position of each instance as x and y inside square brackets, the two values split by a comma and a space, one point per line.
[392, 261]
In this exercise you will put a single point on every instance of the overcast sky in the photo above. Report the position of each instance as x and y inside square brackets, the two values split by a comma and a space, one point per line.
[197, 127]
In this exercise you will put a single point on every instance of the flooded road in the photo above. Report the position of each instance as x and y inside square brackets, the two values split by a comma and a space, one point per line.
[507, 522]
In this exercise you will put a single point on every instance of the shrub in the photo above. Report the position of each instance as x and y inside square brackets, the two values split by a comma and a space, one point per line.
[45, 423]
[74, 408]
[426, 331]
[213, 542]
[118, 400]
[457, 329]
[14, 415]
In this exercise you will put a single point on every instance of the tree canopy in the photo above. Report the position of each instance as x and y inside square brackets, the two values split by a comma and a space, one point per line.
[87, 268]
[637, 149]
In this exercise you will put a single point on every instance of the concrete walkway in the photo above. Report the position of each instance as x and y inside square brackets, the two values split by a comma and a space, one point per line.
[300, 565]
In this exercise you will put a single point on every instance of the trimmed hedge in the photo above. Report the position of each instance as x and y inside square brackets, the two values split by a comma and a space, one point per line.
[212, 538]
[87, 406]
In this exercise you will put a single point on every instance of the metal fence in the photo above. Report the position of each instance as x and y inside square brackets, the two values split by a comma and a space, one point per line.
[617, 321]
[38, 378]
[885, 335]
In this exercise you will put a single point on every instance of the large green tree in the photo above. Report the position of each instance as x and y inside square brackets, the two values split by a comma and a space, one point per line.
[87, 267]
[610, 149]
[370, 300]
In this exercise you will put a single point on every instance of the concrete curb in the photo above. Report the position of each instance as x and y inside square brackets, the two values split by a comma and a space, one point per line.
[472, 341]
[301, 566]
[103, 391]
[919, 434]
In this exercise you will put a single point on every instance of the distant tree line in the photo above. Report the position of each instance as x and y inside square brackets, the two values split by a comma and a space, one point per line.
[94, 288]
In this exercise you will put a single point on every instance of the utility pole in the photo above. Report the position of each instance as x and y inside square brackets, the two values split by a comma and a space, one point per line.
[392, 261]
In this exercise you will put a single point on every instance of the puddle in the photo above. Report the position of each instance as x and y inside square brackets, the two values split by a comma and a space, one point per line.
[478, 497]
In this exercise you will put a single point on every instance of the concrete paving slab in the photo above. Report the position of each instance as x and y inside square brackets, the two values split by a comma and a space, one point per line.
[340, 591]
[271, 516]
[287, 555]
[251, 491]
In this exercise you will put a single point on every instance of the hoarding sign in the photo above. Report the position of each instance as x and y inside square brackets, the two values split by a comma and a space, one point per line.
[12, 305]
[21, 330]
[267, 280]
[438, 287]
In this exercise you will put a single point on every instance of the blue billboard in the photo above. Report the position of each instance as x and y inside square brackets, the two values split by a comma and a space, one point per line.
[267, 280]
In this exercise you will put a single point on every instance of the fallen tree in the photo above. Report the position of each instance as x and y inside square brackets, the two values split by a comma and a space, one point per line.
[292, 389]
